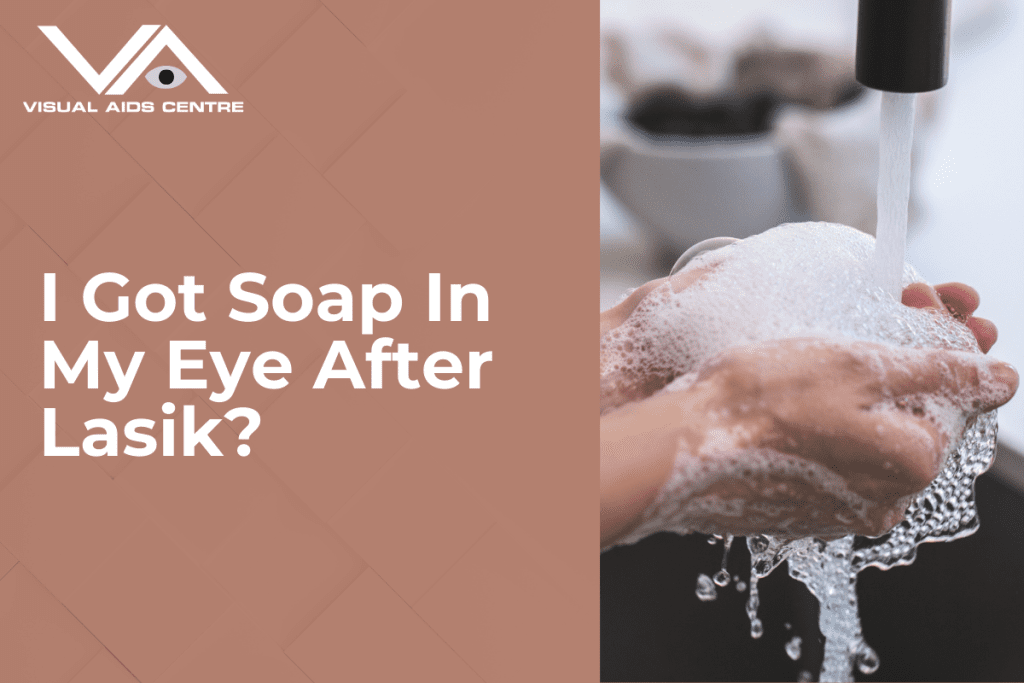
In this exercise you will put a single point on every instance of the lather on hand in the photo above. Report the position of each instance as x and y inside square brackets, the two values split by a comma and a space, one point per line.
[848, 410]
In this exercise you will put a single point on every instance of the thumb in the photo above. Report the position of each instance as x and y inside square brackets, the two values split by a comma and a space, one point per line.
[970, 379]
[1002, 384]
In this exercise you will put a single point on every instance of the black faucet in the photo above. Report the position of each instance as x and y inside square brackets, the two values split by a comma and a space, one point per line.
[903, 45]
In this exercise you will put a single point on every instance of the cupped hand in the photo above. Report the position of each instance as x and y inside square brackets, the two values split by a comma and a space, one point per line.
[793, 437]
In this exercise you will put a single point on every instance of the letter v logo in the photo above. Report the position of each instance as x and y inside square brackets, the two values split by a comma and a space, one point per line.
[164, 39]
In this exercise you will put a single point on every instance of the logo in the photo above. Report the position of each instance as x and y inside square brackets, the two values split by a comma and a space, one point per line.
[161, 77]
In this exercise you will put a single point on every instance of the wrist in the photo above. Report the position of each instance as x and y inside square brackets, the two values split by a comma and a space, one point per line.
[640, 442]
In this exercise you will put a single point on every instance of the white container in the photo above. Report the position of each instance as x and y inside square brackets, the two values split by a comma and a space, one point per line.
[684, 192]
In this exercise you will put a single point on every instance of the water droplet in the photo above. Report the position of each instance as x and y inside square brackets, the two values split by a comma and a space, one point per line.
[756, 628]
[805, 676]
[741, 586]
[706, 588]
[793, 648]
[722, 578]
[867, 659]
[758, 544]
[712, 540]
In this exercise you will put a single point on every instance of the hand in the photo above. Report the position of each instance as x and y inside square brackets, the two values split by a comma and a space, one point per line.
[618, 388]
[857, 433]
[958, 300]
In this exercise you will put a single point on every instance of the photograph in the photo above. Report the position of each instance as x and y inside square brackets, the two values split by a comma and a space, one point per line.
[809, 326]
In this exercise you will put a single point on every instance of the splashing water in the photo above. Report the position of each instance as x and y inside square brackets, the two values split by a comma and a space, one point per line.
[722, 577]
[793, 650]
[943, 512]
[706, 589]
[753, 602]
[827, 573]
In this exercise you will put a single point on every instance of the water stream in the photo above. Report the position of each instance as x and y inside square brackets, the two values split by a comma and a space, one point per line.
[829, 570]
[896, 136]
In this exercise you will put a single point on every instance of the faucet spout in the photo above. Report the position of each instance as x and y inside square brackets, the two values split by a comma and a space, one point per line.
[903, 45]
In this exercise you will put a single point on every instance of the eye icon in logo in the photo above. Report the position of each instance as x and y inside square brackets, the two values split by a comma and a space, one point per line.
[166, 77]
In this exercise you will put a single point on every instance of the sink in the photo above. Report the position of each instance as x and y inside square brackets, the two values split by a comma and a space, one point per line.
[956, 614]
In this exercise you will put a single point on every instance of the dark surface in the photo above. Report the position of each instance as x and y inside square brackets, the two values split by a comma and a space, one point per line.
[671, 112]
[956, 614]
[903, 45]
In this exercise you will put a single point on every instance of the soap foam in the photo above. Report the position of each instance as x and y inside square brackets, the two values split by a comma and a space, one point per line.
[805, 280]
[797, 280]
[810, 280]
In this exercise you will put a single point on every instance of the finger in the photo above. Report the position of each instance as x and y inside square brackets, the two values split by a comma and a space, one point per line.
[984, 331]
[971, 381]
[787, 508]
[920, 295]
[958, 297]
[881, 454]
[617, 314]
[911, 449]
[690, 275]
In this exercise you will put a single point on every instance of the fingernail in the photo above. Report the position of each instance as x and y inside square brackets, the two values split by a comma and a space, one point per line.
[1005, 373]
[918, 295]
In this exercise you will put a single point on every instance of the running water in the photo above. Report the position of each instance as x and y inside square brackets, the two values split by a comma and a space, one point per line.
[829, 570]
[896, 135]
[943, 512]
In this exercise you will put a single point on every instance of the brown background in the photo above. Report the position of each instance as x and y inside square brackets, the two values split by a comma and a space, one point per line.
[386, 535]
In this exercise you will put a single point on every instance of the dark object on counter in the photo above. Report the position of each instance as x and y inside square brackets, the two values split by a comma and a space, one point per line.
[766, 78]
[903, 45]
[671, 112]
[956, 614]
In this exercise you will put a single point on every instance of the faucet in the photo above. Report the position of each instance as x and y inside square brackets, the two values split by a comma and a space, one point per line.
[903, 45]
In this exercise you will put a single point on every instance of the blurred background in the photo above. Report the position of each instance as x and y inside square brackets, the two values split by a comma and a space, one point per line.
[728, 118]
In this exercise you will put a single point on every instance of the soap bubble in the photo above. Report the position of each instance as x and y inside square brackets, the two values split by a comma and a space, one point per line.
[706, 588]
